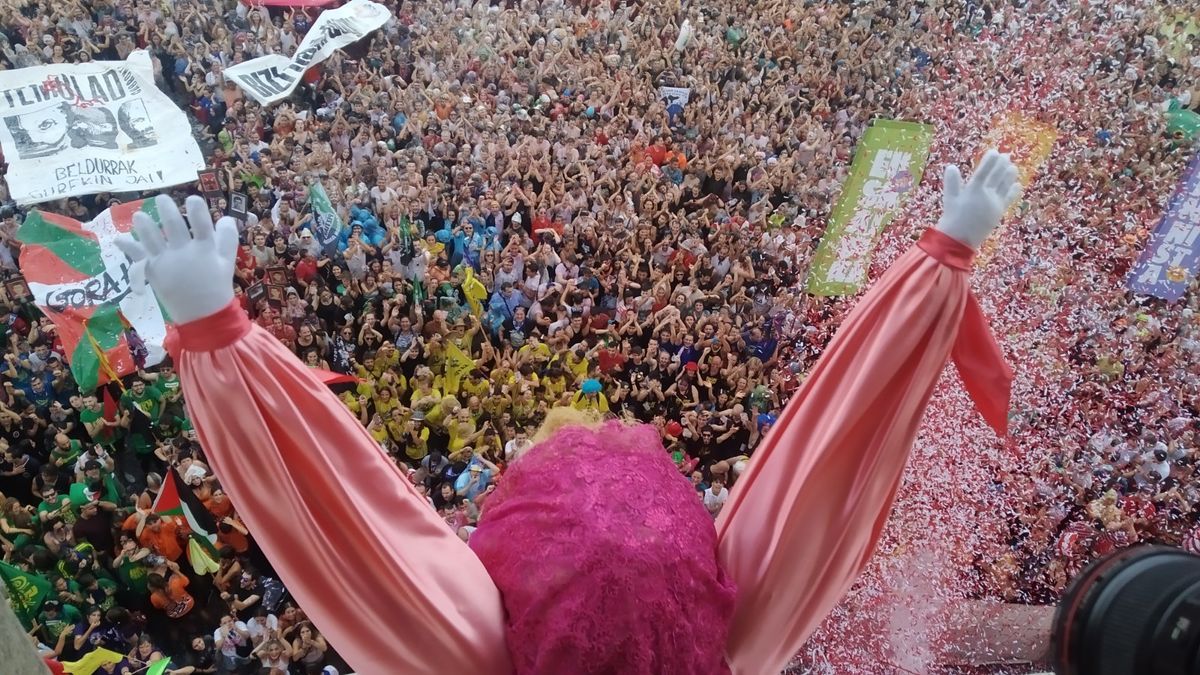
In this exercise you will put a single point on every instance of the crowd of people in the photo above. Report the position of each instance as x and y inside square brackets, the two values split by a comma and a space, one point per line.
[527, 225]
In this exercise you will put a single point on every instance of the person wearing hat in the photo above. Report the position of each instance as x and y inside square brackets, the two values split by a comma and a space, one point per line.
[476, 479]
[57, 621]
[590, 397]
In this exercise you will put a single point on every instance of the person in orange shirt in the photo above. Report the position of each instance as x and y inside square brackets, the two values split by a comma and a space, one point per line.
[218, 503]
[232, 533]
[160, 536]
[170, 595]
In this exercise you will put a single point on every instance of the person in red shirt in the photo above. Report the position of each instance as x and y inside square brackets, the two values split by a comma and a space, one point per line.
[306, 269]
[542, 222]
[282, 332]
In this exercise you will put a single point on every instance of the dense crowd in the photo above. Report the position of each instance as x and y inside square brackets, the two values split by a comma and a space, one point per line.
[527, 225]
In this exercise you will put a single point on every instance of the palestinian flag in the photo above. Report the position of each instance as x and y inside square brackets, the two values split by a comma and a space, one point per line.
[80, 280]
[176, 499]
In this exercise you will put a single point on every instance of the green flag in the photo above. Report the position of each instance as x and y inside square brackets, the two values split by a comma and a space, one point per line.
[1182, 121]
[26, 591]
[158, 667]
[326, 221]
[887, 167]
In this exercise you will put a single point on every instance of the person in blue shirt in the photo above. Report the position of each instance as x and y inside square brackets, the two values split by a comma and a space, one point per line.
[478, 476]
[759, 344]
[468, 245]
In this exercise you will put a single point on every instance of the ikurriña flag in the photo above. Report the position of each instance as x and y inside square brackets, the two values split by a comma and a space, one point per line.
[80, 280]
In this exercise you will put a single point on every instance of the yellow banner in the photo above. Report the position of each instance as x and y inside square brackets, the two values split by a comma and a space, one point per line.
[92, 662]
[1029, 143]
[458, 364]
[475, 291]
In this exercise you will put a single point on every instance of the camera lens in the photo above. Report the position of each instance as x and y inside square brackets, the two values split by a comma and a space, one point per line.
[1134, 612]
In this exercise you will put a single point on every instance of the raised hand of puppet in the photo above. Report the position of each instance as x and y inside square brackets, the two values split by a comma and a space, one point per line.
[970, 213]
[191, 271]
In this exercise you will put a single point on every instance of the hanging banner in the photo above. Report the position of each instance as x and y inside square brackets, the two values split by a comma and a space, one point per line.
[1028, 143]
[79, 129]
[888, 165]
[272, 78]
[80, 280]
[1172, 257]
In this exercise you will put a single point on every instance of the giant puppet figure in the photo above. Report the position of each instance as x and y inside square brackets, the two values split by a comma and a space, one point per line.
[593, 555]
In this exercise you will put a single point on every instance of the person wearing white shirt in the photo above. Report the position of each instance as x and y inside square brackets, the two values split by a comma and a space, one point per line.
[261, 626]
[716, 495]
[518, 445]
[229, 637]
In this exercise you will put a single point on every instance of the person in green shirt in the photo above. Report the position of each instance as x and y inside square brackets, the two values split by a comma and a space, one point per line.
[66, 450]
[167, 381]
[55, 618]
[54, 504]
[105, 432]
[143, 399]
[131, 567]
[144, 405]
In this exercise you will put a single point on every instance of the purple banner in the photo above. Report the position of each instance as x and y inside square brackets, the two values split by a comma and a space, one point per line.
[1172, 257]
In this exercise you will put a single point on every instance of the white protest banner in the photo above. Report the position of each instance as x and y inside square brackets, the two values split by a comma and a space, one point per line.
[78, 129]
[675, 96]
[272, 78]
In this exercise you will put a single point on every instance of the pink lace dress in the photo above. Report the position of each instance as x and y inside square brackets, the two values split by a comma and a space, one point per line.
[605, 559]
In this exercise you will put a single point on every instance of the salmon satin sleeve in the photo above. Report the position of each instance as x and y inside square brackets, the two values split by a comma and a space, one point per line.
[375, 568]
[803, 520]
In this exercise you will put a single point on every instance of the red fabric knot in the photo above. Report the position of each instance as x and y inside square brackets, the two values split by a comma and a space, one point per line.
[947, 250]
[211, 333]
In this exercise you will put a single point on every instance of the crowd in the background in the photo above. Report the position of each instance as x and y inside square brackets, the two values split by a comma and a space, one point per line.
[516, 193]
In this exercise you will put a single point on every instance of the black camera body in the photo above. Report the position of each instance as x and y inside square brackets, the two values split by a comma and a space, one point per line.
[1135, 612]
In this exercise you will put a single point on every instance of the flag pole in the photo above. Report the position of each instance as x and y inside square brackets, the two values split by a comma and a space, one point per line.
[105, 365]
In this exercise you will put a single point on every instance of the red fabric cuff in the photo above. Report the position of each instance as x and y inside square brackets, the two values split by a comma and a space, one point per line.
[946, 249]
[211, 333]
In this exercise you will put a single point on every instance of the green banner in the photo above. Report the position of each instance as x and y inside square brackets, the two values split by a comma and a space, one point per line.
[325, 219]
[1182, 121]
[26, 592]
[887, 167]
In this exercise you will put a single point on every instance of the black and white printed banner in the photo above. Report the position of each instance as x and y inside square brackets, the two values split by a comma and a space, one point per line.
[78, 129]
[272, 78]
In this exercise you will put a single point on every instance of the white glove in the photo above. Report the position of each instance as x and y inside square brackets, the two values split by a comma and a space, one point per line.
[970, 214]
[191, 273]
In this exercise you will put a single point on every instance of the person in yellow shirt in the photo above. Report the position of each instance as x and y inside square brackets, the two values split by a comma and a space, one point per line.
[446, 409]
[526, 376]
[476, 385]
[462, 430]
[423, 388]
[524, 405]
[385, 402]
[555, 382]
[386, 358]
[589, 397]
[534, 351]
[395, 380]
[496, 405]
[413, 440]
